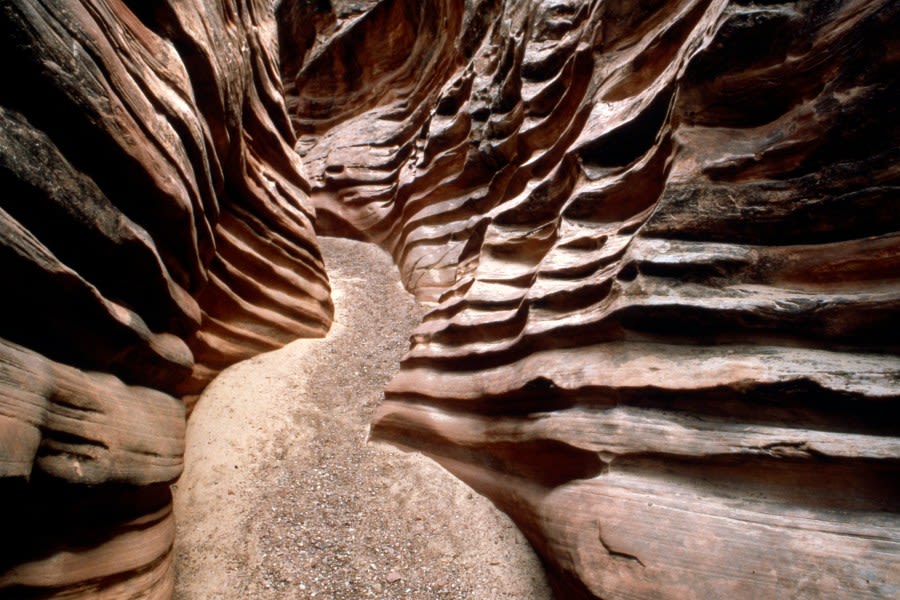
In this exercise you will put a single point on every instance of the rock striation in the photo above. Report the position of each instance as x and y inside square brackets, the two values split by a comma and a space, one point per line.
[154, 228]
[662, 245]
[660, 242]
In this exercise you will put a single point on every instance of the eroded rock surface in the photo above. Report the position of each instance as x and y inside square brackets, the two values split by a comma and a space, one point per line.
[154, 228]
[661, 238]
[663, 242]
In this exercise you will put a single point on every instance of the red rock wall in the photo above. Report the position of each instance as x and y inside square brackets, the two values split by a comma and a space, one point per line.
[154, 228]
[662, 242]
[660, 238]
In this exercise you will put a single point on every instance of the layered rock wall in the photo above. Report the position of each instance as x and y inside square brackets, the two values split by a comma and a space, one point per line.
[660, 239]
[154, 228]
[662, 243]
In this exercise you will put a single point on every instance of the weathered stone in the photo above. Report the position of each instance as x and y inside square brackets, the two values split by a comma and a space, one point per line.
[660, 239]
[154, 228]
[662, 245]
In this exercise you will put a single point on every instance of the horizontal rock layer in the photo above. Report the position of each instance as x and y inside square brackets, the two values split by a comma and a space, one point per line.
[664, 254]
[154, 228]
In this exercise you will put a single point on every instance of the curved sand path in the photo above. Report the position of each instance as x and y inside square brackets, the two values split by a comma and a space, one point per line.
[282, 497]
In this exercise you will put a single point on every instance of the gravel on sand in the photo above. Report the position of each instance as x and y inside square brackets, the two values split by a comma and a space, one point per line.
[283, 497]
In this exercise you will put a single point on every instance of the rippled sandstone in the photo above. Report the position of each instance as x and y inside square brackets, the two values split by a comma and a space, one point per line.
[663, 245]
[660, 238]
[154, 228]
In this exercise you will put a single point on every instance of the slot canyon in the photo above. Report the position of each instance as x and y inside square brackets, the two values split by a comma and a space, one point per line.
[653, 242]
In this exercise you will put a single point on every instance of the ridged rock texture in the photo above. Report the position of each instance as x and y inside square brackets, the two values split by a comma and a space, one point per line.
[154, 228]
[662, 242]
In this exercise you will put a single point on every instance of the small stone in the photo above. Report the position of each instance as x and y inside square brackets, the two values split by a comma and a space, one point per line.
[393, 576]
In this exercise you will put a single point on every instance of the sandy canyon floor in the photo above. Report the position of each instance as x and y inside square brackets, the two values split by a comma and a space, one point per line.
[283, 497]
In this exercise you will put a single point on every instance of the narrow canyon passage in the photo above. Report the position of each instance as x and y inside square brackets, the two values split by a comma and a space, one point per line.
[282, 497]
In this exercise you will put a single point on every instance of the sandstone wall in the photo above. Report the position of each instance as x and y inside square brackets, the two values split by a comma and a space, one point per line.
[661, 240]
[662, 243]
[154, 228]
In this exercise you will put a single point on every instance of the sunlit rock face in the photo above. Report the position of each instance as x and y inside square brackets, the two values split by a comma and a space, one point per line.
[662, 242]
[154, 228]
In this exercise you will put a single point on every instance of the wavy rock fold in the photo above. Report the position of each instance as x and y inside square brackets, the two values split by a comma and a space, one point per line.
[659, 240]
[154, 228]
[661, 243]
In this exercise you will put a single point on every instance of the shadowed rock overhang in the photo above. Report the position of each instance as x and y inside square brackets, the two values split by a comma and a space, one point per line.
[660, 240]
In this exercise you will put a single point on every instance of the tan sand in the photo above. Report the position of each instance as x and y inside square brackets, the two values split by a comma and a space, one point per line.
[282, 497]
